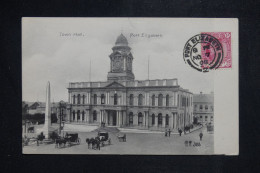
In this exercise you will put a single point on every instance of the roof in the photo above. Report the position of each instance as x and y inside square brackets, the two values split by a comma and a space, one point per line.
[121, 39]
[203, 98]
[135, 83]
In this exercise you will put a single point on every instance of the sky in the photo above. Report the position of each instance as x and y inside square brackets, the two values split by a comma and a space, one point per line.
[50, 52]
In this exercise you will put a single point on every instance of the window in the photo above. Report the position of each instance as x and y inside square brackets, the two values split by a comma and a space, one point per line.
[74, 99]
[78, 98]
[167, 120]
[160, 119]
[83, 99]
[78, 115]
[201, 107]
[167, 100]
[153, 119]
[94, 115]
[206, 107]
[73, 115]
[206, 118]
[140, 100]
[115, 99]
[103, 98]
[201, 117]
[211, 108]
[140, 118]
[83, 116]
[131, 118]
[160, 100]
[195, 107]
[131, 101]
[95, 99]
[153, 100]
[211, 118]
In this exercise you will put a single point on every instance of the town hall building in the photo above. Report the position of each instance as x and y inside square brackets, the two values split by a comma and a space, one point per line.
[122, 101]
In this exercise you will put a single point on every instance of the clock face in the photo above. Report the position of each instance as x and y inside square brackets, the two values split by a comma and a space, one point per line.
[118, 65]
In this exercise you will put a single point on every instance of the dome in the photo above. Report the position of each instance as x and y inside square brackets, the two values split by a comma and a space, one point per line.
[121, 40]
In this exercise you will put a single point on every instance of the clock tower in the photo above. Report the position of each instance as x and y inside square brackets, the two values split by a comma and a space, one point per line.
[121, 60]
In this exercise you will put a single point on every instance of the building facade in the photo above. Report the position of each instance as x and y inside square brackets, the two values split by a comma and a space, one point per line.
[204, 108]
[123, 101]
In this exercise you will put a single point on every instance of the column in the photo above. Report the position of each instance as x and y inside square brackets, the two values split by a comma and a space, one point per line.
[135, 119]
[69, 98]
[117, 118]
[100, 116]
[148, 99]
[108, 98]
[80, 116]
[156, 100]
[163, 120]
[144, 119]
[171, 120]
[156, 121]
[147, 119]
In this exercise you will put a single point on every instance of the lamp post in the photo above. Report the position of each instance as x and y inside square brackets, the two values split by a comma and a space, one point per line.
[63, 122]
[61, 119]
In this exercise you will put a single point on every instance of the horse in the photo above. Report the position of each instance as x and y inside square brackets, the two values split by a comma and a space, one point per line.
[89, 142]
[58, 142]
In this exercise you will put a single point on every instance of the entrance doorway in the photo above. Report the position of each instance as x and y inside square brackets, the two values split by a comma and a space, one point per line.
[112, 118]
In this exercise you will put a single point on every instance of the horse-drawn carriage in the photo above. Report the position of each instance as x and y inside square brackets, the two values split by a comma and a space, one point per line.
[121, 138]
[68, 139]
[99, 140]
[104, 138]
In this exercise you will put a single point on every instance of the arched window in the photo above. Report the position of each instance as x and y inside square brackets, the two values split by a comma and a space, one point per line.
[153, 119]
[167, 120]
[94, 115]
[167, 100]
[201, 107]
[206, 107]
[131, 100]
[78, 115]
[159, 119]
[78, 98]
[83, 116]
[74, 99]
[115, 99]
[131, 118]
[153, 100]
[140, 100]
[73, 113]
[95, 99]
[83, 99]
[140, 118]
[160, 100]
[103, 98]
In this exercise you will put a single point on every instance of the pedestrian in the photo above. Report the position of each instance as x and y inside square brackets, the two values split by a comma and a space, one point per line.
[180, 132]
[166, 132]
[201, 134]
[169, 132]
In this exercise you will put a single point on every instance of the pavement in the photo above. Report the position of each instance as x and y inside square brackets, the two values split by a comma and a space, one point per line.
[136, 143]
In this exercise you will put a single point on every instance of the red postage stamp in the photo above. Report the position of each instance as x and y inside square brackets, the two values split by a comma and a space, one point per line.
[208, 51]
[225, 40]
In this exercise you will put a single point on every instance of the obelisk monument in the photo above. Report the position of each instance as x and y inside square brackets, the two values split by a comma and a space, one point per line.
[47, 123]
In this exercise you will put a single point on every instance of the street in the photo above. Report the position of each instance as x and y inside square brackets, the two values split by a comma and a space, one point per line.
[136, 143]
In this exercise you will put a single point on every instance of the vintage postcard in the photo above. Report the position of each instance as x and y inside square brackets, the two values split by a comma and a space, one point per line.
[142, 86]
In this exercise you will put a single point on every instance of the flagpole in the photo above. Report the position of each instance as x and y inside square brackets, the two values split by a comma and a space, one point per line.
[148, 67]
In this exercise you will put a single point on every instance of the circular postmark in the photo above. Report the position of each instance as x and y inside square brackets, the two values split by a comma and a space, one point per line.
[203, 52]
